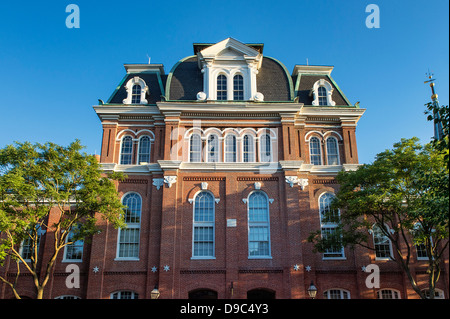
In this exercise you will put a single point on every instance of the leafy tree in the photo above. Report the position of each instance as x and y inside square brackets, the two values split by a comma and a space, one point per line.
[405, 193]
[39, 182]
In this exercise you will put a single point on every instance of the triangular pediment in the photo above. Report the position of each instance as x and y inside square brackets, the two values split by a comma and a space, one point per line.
[228, 48]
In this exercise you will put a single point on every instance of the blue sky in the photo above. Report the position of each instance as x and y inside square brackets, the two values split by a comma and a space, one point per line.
[51, 75]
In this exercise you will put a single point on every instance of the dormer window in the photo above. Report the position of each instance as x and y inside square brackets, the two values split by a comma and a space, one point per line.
[222, 88]
[238, 88]
[322, 92]
[322, 95]
[136, 91]
[136, 94]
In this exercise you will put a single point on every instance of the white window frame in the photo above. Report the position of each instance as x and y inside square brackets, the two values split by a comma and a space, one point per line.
[200, 151]
[134, 226]
[129, 88]
[265, 224]
[373, 232]
[320, 150]
[65, 259]
[251, 148]
[329, 91]
[134, 295]
[328, 152]
[342, 292]
[140, 149]
[217, 154]
[206, 224]
[325, 225]
[243, 87]
[261, 148]
[388, 293]
[226, 87]
[126, 154]
[233, 153]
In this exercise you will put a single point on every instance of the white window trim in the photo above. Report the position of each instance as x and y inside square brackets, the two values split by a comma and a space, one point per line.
[337, 148]
[260, 148]
[253, 147]
[129, 88]
[201, 148]
[330, 225]
[380, 296]
[65, 260]
[206, 224]
[269, 256]
[225, 148]
[132, 149]
[219, 148]
[320, 151]
[134, 226]
[390, 243]
[139, 148]
[341, 291]
[315, 91]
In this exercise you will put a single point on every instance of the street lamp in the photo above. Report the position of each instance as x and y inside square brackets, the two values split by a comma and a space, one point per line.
[312, 290]
[154, 294]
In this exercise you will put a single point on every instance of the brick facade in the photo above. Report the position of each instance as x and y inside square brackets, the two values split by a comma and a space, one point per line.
[165, 257]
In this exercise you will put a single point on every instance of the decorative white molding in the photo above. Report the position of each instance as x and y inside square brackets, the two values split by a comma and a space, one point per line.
[190, 200]
[158, 182]
[291, 180]
[303, 182]
[169, 180]
[201, 96]
[259, 97]
[217, 200]
[245, 200]
[129, 89]
[329, 89]
[271, 200]
[257, 185]
[204, 185]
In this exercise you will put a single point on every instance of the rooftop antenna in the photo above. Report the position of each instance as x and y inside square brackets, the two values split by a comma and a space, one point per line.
[438, 133]
[149, 58]
[307, 63]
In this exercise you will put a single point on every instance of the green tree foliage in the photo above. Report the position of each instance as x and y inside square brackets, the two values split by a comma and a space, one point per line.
[37, 179]
[405, 192]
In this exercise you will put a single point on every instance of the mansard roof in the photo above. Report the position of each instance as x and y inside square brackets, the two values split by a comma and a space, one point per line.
[185, 79]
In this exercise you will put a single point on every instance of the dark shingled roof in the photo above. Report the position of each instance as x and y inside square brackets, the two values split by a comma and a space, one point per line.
[306, 83]
[187, 80]
[273, 81]
[151, 79]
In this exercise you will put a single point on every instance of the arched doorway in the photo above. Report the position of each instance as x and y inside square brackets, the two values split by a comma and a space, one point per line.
[202, 294]
[260, 293]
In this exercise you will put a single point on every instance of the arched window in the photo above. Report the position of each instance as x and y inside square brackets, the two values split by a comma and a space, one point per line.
[332, 151]
[238, 87]
[388, 294]
[230, 148]
[322, 92]
[128, 244]
[195, 148]
[248, 149]
[265, 148]
[336, 294]
[126, 151]
[222, 87]
[213, 148]
[314, 151]
[438, 293]
[258, 225]
[329, 220]
[381, 242]
[136, 94]
[144, 150]
[124, 295]
[203, 226]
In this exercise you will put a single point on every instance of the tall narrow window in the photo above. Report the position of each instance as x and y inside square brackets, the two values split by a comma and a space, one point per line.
[238, 88]
[222, 87]
[144, 150]
[213, 148]
[230, 148]
[136, 94]
[73, 251]
[128, 245]
[381, 242]
[203, 234]
[332, 151]
[329, 220]
[314, 151]
[265, 148]
[126, 152]
[248, 150]
[195, 148]
[322, 91]
[258, 225]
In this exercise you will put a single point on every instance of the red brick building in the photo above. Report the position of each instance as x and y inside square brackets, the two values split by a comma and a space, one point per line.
[230, 159]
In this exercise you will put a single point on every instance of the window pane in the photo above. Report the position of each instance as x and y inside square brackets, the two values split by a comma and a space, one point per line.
[265, 146]
[195, 150]
[203, 234]
[213, 148]
[248, 149]
[221, 87]
[238, 88]
[144, 149]
[126, 151]
[314, 151]
[322, 92]
[136, 94]
[230, 148]
[258, 220]
[332, 151]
